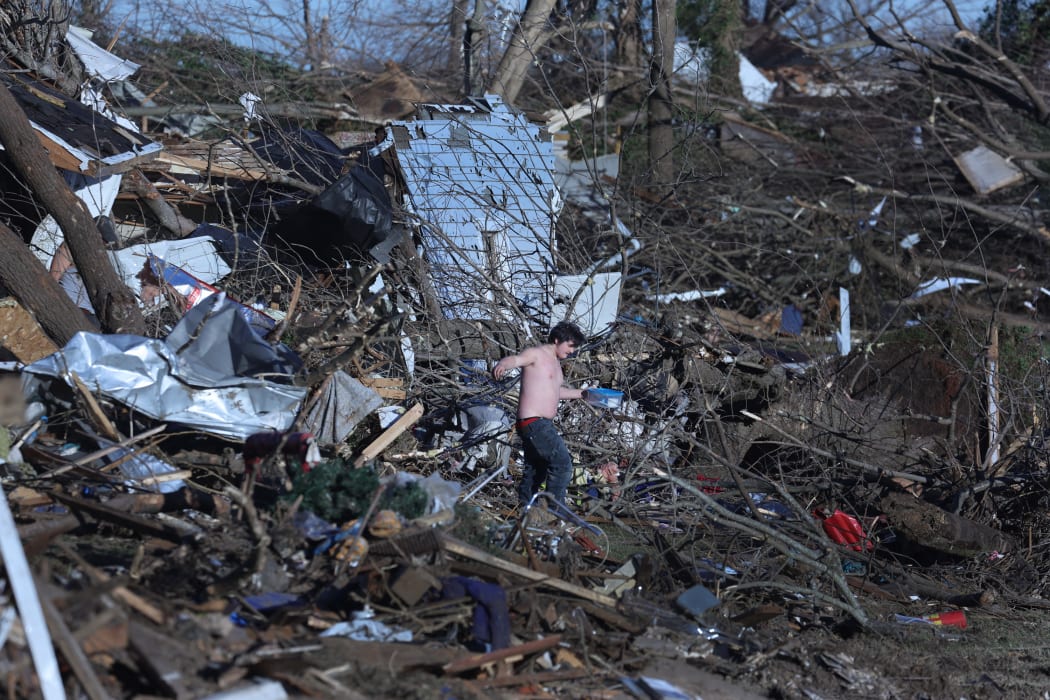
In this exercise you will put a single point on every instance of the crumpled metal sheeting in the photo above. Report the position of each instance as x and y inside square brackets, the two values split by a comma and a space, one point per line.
[148, 376]
[344, 402]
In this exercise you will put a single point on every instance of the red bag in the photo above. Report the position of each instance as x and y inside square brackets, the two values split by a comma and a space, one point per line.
[844, 529]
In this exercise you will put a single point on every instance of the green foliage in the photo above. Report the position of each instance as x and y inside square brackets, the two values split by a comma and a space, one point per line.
[1022, 27]
[1020, 352]
[697, 19]
[715, 25]
[410, 500]
[1020, 349]
[199, 68]
[335, 490]
[338, 492]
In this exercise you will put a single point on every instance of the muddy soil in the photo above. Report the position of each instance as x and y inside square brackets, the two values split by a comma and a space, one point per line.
[1002, 653]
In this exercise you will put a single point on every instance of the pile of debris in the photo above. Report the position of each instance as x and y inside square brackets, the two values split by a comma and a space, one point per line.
[301, 481]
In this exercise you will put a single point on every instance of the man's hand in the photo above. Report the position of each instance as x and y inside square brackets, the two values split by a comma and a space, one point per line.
[501, 368]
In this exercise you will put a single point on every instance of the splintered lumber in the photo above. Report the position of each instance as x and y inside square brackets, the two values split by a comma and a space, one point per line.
[121, 593]
[94, 411]
[106, 512]
[465, 550]
[479, 660]
[382, 442]
[569, 674]
[386, 387]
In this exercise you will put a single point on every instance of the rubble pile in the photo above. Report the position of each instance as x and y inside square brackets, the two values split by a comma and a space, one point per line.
[300, 481]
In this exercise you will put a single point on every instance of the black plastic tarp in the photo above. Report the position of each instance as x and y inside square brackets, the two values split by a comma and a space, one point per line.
[350, 219]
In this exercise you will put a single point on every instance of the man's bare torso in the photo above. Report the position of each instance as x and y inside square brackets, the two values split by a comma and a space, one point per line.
[541, 382]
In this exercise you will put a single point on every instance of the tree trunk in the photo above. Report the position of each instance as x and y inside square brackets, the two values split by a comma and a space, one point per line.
[528, 37]
[661, 130]
[457, 28]
[472, 41]
[629, 35]
[29, 282]
[114, 303]
[725, 52]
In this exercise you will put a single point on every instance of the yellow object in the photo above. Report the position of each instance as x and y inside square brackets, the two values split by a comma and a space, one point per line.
[385, 523]
[352, 550]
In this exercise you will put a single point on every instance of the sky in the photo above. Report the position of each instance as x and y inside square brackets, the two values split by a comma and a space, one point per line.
[285, 11]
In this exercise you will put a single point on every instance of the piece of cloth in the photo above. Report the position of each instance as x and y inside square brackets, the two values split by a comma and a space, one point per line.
[491, 621]
[547, 460]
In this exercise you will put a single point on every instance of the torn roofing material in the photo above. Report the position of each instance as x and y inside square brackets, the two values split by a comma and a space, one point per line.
[480, 178]
[76, 137]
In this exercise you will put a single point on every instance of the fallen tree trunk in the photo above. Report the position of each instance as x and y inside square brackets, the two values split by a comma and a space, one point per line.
[29, 282]
[935, 528]
[114, 304]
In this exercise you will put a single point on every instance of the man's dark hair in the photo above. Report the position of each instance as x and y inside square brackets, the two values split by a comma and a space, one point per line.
[566, 332]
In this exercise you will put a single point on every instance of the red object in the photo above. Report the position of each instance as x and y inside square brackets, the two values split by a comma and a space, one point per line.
[525, 422]
[297, 446]
[844, 529]
[709, 489]
[952, 618]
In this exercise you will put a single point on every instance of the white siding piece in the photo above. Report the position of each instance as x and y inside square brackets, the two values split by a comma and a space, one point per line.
[485, 180]
[596, 309]
[987, 171]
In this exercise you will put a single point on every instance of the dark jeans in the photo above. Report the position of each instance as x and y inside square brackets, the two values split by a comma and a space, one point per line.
[546, 460]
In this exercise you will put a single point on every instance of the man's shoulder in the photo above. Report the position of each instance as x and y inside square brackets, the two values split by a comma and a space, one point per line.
[534, 352]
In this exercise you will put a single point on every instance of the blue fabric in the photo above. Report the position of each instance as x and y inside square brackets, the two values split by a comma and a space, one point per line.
[491, 622]
[791, 320]
[546, 460]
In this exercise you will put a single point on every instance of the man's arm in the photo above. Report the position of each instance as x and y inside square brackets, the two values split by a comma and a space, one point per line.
[566, 392]
[522, 359]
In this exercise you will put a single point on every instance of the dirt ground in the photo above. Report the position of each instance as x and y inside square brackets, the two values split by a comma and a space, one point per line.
[1001, 654]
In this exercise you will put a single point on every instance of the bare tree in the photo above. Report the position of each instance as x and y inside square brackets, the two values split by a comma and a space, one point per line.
[661, 130]
[26, 278]
[531, 32]
[115, 306]
[33, 33]
[473, 36]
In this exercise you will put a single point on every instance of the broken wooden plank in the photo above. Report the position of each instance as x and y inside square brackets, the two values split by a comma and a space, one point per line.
[388, 436]
[105, 512]
[121, 593]
[544, 677]
[104, 633]
[392, 394]
[465, 550]
[94, 410]
[478, 660]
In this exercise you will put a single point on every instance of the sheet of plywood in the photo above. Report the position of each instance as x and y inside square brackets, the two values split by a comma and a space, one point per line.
[21, 335]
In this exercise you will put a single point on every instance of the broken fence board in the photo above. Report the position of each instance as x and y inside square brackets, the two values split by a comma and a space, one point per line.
[465, 550]
[479, 660]
[382, 442]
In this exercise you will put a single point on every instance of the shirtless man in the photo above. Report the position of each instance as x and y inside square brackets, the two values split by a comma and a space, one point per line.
[546, 457]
